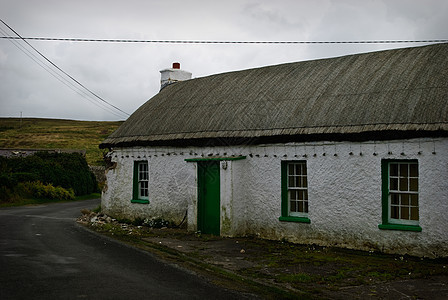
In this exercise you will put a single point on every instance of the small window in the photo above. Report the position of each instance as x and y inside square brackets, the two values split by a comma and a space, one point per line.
[400, 195]
[141, 182]
[294, 191]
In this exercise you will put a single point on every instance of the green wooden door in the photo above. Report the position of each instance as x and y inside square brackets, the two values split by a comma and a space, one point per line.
[208, 197]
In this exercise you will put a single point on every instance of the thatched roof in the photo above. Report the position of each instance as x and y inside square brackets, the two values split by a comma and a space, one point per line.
[404, 90]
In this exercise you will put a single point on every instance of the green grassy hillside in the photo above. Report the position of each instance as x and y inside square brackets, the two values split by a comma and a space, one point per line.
[32, 133]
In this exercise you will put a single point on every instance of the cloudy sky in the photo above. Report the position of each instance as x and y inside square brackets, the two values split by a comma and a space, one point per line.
[127, 74]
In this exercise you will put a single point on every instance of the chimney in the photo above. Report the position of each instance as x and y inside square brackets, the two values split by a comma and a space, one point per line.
[173, 75]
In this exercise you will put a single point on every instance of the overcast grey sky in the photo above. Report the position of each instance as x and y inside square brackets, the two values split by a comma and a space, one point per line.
[127, 75]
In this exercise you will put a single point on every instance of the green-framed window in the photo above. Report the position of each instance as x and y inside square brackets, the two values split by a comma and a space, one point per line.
[294, 181]
[140, 193]
[400, 195]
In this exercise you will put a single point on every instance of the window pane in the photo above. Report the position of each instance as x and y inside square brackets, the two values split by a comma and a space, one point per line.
[394, 184]
[290, 169]
[143, 185]
[414, 213]
[404, 199]
[293, 195]
[404, 170]
[393, 169]
[394, 199]
[297, 187]
[298, 169]
[143, 177]
[293, 206]
[405, 212]
[413, 170]
[304, 182]
[403, 188]
[394, 212]
[300, 206]
[403, 184]
[413, 184]
[291, 182]
[143, 171]
[144, 189]
[298, 181]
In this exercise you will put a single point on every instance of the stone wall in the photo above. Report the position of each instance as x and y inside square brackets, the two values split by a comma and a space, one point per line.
[10, 152]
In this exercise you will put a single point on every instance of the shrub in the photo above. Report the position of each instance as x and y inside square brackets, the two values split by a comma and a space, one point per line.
[6, 195]
[40, 190]
[24, 177]
[7, 181]
[67, 170]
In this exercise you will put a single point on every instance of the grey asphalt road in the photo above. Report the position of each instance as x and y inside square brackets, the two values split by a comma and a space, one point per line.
[44, 254]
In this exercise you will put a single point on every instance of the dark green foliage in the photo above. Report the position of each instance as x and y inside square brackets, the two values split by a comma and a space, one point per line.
[24, 177]
[7, 181]
[66, 170]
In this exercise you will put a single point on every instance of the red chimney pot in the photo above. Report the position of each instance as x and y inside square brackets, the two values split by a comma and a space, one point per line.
[176, 65]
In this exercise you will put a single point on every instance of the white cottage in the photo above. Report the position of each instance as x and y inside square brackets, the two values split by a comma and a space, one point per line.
[348, 151]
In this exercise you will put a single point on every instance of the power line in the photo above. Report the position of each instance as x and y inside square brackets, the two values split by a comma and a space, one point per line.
[19, 37]
[62, 79]
[223, 42]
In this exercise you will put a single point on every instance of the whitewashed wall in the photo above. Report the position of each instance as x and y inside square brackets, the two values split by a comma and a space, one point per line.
[344, 182]
[172, 185]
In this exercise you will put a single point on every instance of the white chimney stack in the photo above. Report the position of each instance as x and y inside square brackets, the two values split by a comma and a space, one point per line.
[172, 75]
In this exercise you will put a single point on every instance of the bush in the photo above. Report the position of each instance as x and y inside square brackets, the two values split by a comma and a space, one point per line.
[66, 170]
[6, 194]
[24, 177]
[40, 190]
[7, 181]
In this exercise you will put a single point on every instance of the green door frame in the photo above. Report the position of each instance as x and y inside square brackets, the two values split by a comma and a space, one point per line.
[209, 192]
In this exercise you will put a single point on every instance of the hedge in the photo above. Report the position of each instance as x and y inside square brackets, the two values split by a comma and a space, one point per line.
[66, 170]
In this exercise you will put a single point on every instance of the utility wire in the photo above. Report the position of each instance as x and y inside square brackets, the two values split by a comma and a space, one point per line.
[19, 37]
[62, 79]
[90, 92]
[223, 42]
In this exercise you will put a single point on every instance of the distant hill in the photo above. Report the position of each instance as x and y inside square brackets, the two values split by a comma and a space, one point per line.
[32, 133]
